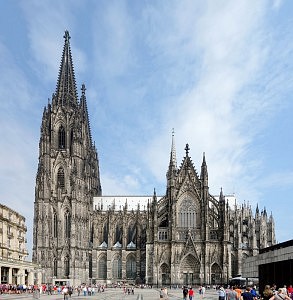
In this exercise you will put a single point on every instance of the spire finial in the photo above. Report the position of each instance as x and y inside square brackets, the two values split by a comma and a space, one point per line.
[173, 161]
[187, 149]
[66, 36]
[83, 89]
[66, 93]
[222, 198]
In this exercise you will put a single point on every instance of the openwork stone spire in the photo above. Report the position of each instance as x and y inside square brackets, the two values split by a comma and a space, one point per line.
[66, 92]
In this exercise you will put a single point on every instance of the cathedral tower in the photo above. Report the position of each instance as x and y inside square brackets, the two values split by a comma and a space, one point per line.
[67, 180]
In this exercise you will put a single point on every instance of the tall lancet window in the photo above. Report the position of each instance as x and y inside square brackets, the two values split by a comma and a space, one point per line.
[105, 233]
[117, 268]
[131, 236]
[118, 234]
[55, 267]
[60, 178]
[67, 224]
[66, 266]
[187, 214]
[61, 138]
[55, 225]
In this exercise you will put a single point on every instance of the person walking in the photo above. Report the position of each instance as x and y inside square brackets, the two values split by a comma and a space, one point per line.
[185, 293]
[221, 293]
[247, 294]
[191, 294]
[280, 296]
[232, 295]
[267, 293]
[65, 293]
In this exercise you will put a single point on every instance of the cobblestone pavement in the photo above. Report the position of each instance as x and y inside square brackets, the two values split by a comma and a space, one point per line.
[117, 294]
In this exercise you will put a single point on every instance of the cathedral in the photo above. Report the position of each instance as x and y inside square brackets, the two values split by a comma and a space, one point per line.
[186, 236]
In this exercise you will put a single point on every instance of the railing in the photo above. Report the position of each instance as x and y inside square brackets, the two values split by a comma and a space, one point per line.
[182, 234]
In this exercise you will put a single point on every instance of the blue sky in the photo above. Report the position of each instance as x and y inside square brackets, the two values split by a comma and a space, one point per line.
[219, 72]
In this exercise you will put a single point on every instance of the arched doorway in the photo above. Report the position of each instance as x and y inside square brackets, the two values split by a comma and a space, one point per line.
[190, 269]
[216, 274]
[165, 274]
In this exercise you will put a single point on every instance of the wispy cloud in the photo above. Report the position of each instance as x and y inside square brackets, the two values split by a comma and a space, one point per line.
[45, 30]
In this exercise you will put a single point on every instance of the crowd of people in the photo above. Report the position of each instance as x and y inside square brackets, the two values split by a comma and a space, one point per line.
[237, 293]
[85, 290]
[250, 293]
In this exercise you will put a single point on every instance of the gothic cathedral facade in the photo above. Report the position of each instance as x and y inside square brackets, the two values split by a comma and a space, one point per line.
[187, 236]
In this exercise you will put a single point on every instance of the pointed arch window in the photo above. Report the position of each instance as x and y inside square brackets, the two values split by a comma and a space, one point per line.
[131, 267]
[66, 267]
[61, 138]
[117, 268]
[105, 233]
[55, 267]
[131, 235]
[102, 268]
[187, 214]
[67, 225]
[55, 225]
[118, 234]
[60, 178]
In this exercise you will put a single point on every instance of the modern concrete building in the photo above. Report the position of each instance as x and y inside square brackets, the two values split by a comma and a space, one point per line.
[273, 265]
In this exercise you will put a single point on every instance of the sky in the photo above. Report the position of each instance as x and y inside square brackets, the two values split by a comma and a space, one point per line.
[219, 72]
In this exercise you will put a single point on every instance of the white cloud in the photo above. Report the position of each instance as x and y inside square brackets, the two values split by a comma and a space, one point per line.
[212, 113]
[45, 31]
[113, 38]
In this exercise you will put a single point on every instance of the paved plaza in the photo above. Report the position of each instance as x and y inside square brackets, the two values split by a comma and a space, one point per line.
[117, 294]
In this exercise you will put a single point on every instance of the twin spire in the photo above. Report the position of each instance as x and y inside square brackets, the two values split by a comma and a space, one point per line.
[66, 92]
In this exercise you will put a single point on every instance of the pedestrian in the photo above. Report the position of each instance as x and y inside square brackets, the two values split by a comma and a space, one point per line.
[232, 295]
[290, 291]
[191, 294]
[247, 294]
[267, 293]
[280, 296]
[185, 293]
[65, 293]
[221, 293]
